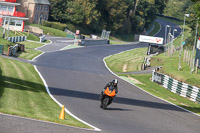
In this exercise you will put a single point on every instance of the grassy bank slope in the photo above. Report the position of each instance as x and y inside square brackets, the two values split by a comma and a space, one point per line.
[127, 61]
[51, 31]
[155, 30]
[30, 51]
[22, 93]
[116, 63]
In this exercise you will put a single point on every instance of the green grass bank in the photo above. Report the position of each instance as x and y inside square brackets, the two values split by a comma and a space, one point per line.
[30, 51]
[22, 93]
[51, 31]
[116, 64]
[155, 30]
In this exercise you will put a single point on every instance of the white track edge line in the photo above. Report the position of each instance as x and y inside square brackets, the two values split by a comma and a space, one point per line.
[159, 29]
[143, 89]
[38, 56]
[67, 111]
[44, 45]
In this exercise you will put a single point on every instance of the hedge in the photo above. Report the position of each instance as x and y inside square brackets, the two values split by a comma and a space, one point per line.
[55, 25]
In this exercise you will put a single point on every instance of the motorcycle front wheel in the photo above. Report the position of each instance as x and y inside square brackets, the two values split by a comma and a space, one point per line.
[105, 103]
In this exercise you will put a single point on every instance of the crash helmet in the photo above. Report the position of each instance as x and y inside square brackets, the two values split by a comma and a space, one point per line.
[115, 82]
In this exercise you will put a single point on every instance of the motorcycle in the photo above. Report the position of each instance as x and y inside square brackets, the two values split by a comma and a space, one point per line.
[109, 94]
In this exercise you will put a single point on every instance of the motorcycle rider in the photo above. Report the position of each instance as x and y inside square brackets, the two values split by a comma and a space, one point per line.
[112, 84]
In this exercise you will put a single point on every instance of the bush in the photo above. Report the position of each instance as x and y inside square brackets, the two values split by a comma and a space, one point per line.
[55, 25]
[58, 26]
[47, 24]
[71, 27]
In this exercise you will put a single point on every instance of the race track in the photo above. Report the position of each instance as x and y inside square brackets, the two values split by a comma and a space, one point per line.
[76, 78]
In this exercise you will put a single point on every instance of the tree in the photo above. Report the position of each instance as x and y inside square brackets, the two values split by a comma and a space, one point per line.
[177, 8]
[115, 15]
[75, 12]
[58, 10]
[160, 6]
[84, 11]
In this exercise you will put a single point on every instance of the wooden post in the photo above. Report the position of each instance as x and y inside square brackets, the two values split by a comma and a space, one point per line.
[184, 55]
[173, 50]
[197, 64]
[169, 49]
[8, 51]
[193, 65]
[191, 61]
[187, 57]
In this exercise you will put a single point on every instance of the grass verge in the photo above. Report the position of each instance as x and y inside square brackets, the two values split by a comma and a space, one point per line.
[22, 93]
[51, 31]
[163, 93]
[156, 29]
[170, 20]
[187, 34]
[29, 36]
[144, 80]
[30, 51]
[117, 42]
[124, 37]
[128, 61]
[187, 31]
[71, 47]
[170, 67]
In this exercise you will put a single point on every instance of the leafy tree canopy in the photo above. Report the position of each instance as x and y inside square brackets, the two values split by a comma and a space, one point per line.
[115, 15]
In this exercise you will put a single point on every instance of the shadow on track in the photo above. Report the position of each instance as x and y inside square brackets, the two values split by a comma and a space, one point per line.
[119, 100]
[117, 109]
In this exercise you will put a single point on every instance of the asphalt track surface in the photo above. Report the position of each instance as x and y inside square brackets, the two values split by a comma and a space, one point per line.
[76, 77]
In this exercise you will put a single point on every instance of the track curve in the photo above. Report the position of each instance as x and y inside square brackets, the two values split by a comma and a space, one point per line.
[76, 77]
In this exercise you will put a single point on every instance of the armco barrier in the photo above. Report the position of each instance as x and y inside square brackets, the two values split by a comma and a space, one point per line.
[17, 39]
[94, 42]
[182, 89]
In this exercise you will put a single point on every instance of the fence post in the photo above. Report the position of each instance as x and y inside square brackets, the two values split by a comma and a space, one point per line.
[188, 58]
[168, 50]
[174, 50]
[185, 55]
[193, 65]
[191, 60]
[8, 51]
